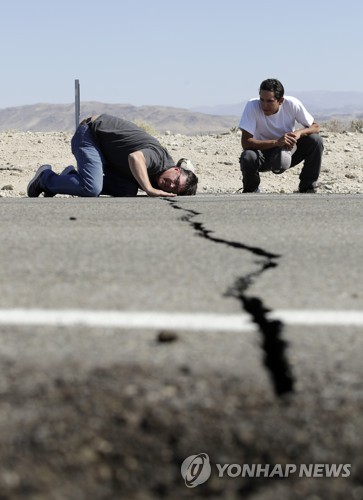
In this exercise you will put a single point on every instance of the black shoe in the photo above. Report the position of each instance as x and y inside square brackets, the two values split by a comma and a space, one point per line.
[34, 189]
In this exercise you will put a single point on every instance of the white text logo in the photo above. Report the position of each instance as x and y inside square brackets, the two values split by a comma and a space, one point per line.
[196, 470]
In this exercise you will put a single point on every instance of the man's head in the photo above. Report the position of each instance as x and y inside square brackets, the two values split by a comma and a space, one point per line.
[179, 181]
[271, 96]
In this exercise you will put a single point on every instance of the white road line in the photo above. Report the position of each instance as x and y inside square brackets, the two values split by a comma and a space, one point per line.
[316, 317]
[181, 321]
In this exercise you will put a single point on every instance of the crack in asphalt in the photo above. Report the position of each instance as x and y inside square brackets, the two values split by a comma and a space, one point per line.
[274, 346]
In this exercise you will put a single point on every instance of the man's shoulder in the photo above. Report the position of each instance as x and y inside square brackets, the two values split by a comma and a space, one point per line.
[292, 101]
[254, 102]
[157, 159]
[252, 107]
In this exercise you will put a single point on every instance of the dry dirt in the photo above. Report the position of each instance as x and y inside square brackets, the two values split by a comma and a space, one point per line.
[215, 157]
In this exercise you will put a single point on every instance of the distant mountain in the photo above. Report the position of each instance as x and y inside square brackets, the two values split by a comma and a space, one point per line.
[61, 117]
[323, 105]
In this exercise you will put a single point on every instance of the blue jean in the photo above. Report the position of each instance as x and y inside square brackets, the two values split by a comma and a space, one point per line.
[309, 150]
[92, 177]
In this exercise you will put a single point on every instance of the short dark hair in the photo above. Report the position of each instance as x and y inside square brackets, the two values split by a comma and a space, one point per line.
[273, 85]
[191, 183]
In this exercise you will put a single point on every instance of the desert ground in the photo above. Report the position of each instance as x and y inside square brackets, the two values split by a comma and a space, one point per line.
[215, 158]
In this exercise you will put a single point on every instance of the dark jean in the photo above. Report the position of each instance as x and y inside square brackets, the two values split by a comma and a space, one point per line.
[309, 149]
[92, 177]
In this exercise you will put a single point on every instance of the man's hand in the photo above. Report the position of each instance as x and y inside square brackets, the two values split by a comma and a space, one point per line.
[158, 192]
[288, 140]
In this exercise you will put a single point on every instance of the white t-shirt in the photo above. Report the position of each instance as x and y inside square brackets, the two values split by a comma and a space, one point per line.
[264, 127]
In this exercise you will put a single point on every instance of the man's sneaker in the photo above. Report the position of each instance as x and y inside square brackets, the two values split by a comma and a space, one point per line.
[34, 189]
[67, 171]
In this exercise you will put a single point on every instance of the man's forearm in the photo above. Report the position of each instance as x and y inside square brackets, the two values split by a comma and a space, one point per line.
[287, 140]
[313, 129]
[260, 145]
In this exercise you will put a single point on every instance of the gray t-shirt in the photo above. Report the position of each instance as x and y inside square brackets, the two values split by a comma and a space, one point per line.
[117, 138]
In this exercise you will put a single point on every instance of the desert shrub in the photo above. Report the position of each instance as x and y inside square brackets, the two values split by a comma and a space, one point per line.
[334, 126]
[146, 126]
[356, 125]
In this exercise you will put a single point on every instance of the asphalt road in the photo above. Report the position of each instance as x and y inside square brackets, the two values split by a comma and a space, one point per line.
[282, 387]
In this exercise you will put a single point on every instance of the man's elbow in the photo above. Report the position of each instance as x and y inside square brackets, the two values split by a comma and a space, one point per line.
[246, 140]
[133, 156]
[246, 145]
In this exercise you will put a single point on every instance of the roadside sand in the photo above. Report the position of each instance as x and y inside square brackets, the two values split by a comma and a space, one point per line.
[215, 157]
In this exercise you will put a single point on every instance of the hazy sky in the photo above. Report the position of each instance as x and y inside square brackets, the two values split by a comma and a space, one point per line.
[175, 53]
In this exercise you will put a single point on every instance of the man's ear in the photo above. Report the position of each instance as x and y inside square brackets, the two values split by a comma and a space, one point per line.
[281, 100]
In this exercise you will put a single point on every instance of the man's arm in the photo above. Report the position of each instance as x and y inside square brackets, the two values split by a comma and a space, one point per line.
[313, 129]
[288, 140]
[249, 142]
[138, 168]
